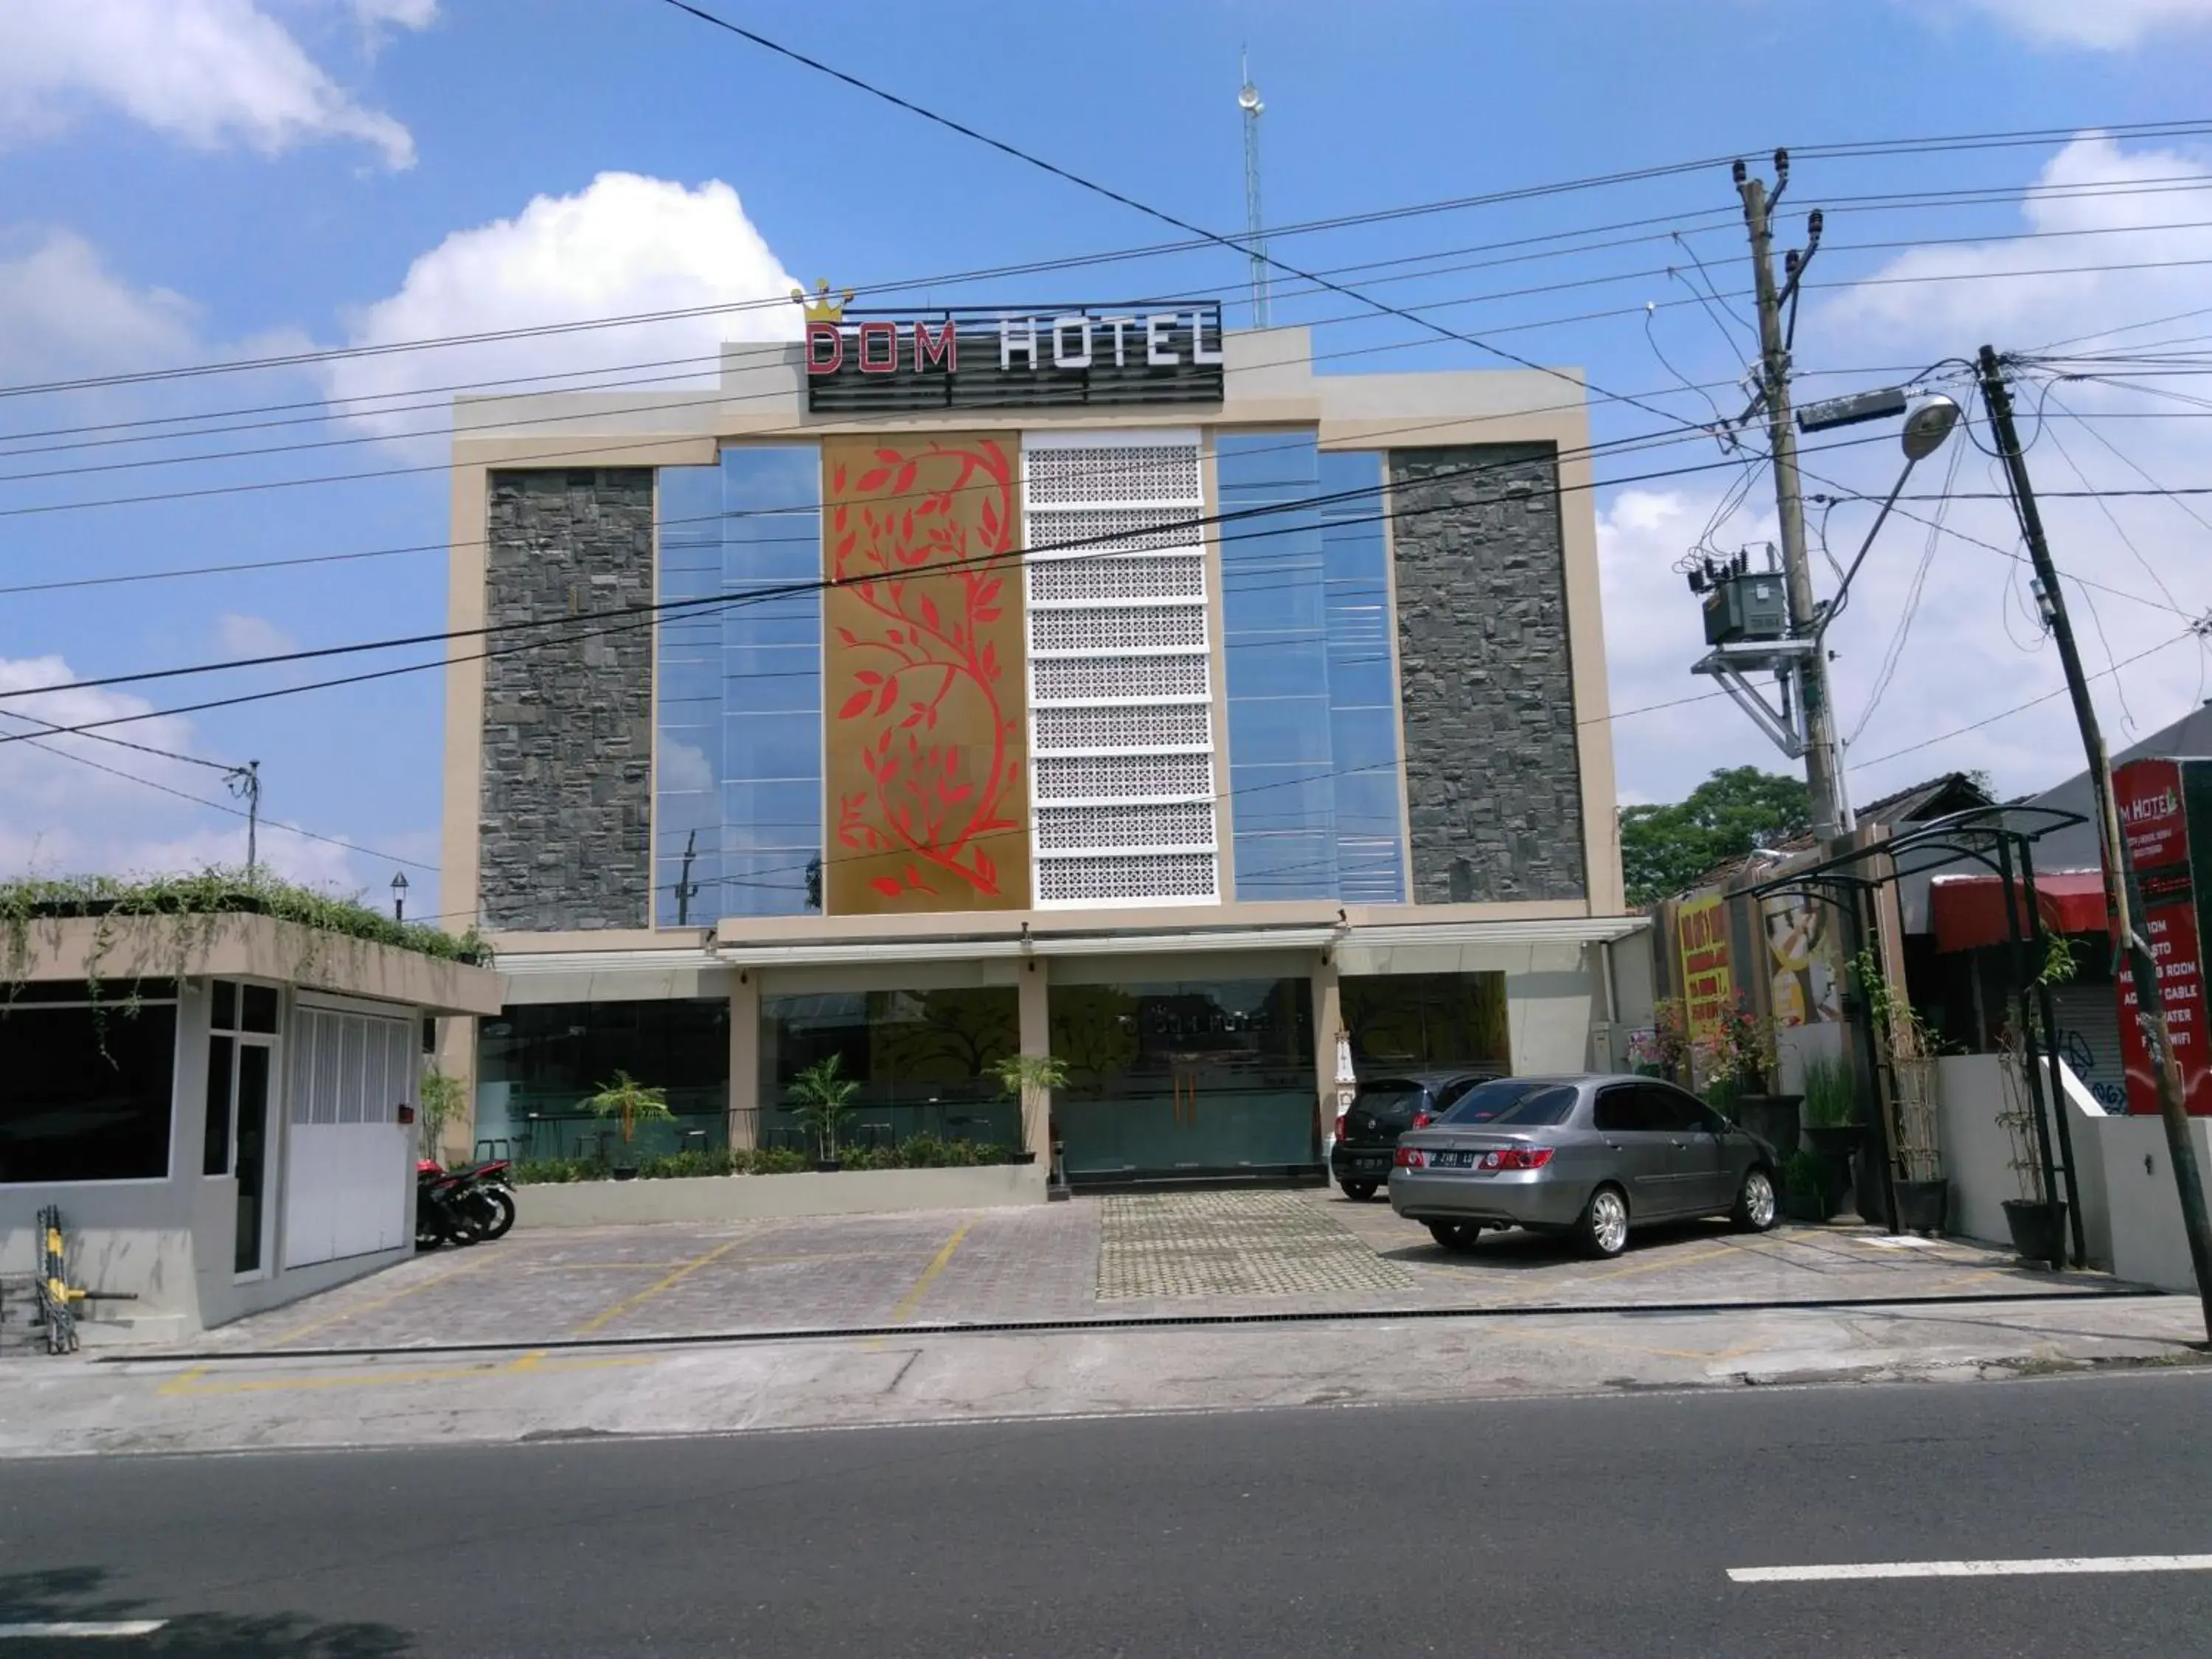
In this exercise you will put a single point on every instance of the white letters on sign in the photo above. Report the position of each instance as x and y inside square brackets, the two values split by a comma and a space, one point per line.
[1009, 343]
[1061, 356]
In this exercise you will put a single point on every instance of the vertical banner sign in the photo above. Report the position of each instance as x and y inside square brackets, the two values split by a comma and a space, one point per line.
[1708, 986]
[2154, 798]
[925, 688]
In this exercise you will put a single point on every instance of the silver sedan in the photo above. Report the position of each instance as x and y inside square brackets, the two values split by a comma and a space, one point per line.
[1585, 1156]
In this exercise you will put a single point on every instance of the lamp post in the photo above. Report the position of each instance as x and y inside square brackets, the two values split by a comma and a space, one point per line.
[1925, 428]
[399, 896]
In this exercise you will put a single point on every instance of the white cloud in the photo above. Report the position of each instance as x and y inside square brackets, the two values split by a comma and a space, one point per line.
[208, 73]
[64, 313]
[624, 245]
[237, 635]
[2102, 24]
[398, 14]
[2121, 226]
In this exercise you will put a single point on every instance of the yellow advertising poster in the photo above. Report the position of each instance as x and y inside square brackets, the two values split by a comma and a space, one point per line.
[1708, 984]
[1802, 945]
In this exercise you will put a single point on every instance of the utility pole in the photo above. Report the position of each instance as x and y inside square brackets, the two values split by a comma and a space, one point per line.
[686, 888]
[246, 780]
[1824, 773]
[2130, 950]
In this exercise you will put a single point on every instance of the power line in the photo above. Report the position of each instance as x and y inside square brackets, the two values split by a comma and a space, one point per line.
[650, 617]
[1600, 394]
[2017, 708]
[201, 801]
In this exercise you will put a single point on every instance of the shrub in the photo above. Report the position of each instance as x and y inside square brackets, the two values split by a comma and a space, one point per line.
[557, 1171]
[780, 1160]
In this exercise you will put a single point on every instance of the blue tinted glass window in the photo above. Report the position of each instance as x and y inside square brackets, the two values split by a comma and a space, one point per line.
[1313, 706]
[738, 747]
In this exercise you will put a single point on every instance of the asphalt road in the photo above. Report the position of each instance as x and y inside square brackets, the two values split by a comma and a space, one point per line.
[1522, 1527]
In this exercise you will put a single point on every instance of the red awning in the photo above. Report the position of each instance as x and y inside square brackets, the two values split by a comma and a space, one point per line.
[1969, 911]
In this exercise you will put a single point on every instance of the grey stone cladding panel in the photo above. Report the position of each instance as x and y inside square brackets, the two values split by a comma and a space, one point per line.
[566, 798]
[1493, 779]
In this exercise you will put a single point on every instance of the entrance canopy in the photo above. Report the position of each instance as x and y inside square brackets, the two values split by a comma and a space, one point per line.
[1969, 911]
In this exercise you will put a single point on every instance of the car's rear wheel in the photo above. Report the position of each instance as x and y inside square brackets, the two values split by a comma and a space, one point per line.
[1456, 1235]
[1602, 1228]
[1358, 1191]
[1754, 1202]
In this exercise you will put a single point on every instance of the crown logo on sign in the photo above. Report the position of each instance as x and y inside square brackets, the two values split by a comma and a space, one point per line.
[822, 308]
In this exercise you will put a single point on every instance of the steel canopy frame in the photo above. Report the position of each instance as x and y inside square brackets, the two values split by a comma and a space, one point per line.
[1986, 836]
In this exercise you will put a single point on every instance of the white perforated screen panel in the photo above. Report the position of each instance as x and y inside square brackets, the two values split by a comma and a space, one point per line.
[1121, 711]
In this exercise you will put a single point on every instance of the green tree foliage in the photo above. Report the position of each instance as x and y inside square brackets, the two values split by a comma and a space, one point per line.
[1664, 849]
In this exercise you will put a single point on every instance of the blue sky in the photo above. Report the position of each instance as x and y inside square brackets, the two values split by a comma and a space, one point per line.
[187, 181]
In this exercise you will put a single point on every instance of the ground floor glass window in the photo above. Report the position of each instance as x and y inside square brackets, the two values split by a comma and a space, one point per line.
[86, 1092]
[922, 1060]
[537, 1063]
[1423, 1022]
[1187, 1076]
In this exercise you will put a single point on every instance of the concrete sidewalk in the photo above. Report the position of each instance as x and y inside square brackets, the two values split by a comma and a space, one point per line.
[972, 1316]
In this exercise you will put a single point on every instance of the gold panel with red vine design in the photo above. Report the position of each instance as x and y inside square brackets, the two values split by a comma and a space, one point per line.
[924, 686]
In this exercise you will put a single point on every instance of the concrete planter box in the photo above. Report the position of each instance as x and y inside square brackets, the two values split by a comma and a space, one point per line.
[742, 1197]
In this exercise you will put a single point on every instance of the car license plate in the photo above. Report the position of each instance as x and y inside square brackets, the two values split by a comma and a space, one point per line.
[1453, 1160]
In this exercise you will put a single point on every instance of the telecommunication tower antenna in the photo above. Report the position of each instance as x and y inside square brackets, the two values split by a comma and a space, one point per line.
[1255, 237]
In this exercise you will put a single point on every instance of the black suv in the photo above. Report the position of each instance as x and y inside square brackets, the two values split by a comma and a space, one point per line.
[1384, 1109]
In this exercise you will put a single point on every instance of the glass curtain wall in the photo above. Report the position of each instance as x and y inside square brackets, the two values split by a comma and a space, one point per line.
[1362, 681]
[1415, 1022]
[1185, 1077]
[1313, 706]
[921, 1058]
[737, 797]
[537, 1063]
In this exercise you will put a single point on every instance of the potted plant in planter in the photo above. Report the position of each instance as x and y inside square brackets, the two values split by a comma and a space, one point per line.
[1019, 1076]
[825, 1100]
[1741, 1062]
[2037, 1219]
[632, 1103]
[1910, 1047]
[1832, 1111]
[1664, 1050]
[1806, 1186]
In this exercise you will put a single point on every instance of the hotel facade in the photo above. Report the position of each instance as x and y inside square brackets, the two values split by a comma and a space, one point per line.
[1082, 683]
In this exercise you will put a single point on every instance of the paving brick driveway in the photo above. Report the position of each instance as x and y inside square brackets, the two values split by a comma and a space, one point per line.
[1094, 1258]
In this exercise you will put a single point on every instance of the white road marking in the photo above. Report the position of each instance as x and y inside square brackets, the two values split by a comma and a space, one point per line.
[85, 1627]
[2057, 1564]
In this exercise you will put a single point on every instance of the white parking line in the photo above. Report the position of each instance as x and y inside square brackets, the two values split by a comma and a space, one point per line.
[85, 1627]
[2075, 1564]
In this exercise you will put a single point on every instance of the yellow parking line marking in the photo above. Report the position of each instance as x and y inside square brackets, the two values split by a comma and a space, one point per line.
[912, 1299]
[631, 1303]
[596, 1267]
[182, 1384]
[360, 1308]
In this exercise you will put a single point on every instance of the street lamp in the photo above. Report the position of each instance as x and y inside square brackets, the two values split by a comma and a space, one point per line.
[1925, 428]
[399, 896]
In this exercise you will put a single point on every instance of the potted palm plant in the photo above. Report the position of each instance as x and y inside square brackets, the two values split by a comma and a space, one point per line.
[824, 1096]
[1021, 1077]
[631, 1103]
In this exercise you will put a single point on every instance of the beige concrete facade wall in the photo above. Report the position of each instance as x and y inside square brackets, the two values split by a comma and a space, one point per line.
[1270, 382]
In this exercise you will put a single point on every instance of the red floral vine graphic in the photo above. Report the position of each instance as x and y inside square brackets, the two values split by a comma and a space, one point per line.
[933, 796]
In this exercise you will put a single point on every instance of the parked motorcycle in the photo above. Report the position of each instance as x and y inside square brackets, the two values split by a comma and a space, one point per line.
[492, 1198]
[445, 1213]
